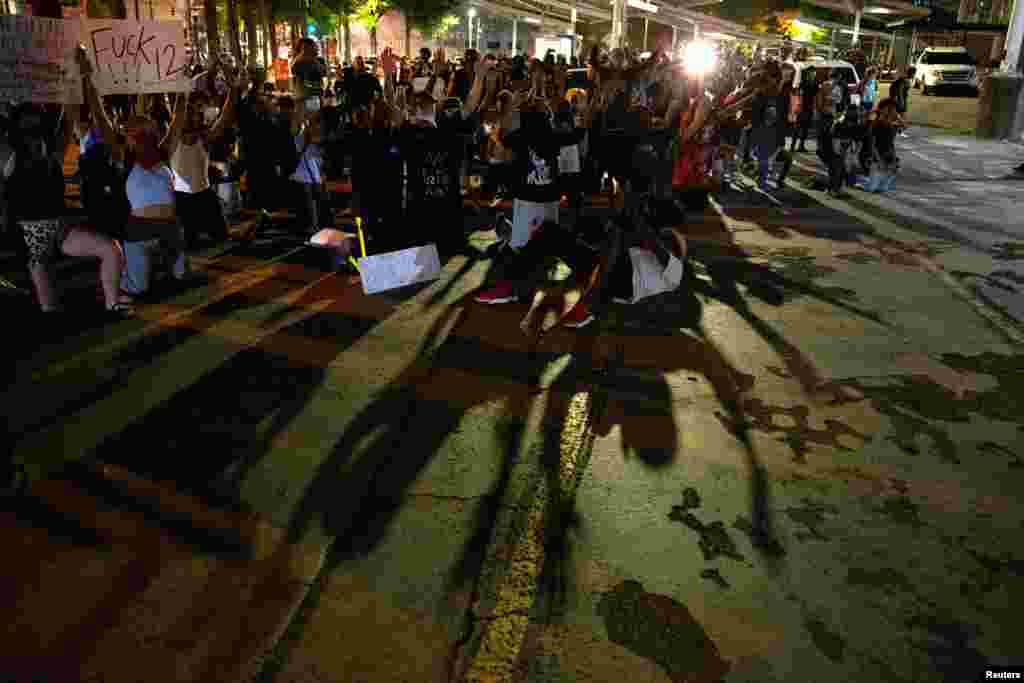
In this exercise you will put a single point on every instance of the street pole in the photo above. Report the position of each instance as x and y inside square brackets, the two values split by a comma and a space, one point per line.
[1001, 96]
[675, 40]
[515, 37]
[618, 23]
[856, 27]
[1014, 40]
[645, 34]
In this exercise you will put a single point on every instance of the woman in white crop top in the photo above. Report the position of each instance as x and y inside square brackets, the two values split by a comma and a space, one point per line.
[150, 190]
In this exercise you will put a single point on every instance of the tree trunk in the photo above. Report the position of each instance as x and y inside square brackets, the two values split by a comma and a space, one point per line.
[346, 28]
[233, 41]
[267, 28]
[373, 42]
[253, 51]
[212, 32]
[272, 34]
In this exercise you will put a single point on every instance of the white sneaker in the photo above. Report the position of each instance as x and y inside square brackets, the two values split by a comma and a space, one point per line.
[620, 300]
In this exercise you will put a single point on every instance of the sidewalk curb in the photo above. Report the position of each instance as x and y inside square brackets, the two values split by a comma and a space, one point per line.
[1002, 322]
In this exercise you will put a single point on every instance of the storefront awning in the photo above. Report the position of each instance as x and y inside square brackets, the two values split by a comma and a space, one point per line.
[883, 10]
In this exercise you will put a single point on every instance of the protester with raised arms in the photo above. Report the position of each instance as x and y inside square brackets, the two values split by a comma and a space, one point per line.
[189, 145]
[149, 189]
[34, 188]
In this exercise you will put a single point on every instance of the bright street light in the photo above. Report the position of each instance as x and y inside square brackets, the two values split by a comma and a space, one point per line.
[472, 12]
[699, 58]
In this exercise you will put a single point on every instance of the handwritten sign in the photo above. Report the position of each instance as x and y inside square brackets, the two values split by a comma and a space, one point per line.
[37, 60]
[131, 57]
[395, 269]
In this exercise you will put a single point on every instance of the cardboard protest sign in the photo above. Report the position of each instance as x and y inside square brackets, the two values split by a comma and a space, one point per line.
[395, 269]
[130, 57]
[37, 60]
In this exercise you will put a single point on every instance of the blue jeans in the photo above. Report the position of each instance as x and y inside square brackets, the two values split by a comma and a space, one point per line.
[880, 181]
[766, 143]
[147, 244]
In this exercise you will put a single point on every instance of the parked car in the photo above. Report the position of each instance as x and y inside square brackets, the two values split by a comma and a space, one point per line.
[946, 67]
[828, 66]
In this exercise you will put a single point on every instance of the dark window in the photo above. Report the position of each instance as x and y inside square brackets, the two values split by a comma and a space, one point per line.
[949, 58]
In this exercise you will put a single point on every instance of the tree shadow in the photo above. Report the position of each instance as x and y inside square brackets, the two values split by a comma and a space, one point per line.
[208, 435]
[358, 488]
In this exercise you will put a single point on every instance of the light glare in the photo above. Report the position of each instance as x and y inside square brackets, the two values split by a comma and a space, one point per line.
[699, 57]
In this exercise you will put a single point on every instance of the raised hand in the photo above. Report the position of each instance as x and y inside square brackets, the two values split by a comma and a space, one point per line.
[389, 61]
[84, 65]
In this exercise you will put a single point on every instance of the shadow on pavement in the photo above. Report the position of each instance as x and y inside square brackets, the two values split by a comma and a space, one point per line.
[208, 435]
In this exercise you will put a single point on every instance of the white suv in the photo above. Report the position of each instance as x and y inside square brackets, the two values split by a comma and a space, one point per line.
[945, 67]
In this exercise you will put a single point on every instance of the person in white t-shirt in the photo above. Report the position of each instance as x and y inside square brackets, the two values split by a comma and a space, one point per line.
[197, 203]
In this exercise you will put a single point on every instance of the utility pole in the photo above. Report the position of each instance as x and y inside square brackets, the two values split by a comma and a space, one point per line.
[618, 23]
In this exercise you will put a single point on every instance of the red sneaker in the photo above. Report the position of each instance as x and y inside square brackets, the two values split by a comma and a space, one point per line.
[501, 293]
[579, 316]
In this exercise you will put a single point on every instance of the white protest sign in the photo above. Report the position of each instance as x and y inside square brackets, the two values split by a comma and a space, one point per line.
[395, 269]
[37, 60]
[130, 57]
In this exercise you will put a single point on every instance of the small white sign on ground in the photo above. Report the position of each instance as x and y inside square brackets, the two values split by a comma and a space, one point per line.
[381, 272]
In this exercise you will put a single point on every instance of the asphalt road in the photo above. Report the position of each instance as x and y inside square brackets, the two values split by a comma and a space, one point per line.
[802, 466]
[954, 111]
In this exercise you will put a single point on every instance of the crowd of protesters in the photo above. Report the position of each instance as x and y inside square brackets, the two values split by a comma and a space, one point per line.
[654, 134]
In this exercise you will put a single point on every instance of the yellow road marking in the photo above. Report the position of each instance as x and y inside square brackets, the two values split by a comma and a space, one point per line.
[505, 630]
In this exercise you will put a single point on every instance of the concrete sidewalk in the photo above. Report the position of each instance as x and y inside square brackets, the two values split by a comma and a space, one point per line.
[803, 466]
[961, 195]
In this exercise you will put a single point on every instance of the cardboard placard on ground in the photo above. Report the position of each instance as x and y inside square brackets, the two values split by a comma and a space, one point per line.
[37, 60]
[130, 57]
[381, 272]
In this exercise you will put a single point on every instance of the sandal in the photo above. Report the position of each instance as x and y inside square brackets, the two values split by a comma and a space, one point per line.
[121, 309]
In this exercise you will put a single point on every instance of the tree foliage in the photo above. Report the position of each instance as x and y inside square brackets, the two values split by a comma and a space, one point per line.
[369, 12]
[429, 17]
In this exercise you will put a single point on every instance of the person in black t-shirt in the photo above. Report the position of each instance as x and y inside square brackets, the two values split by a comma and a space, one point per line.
[308, 70]
[434, 146]
[257, 128]
[363, 87]
[768, 122]
[805, 119]
[33, 184]
[462, 80]
[377, 165]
